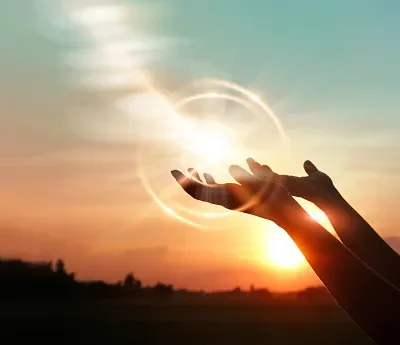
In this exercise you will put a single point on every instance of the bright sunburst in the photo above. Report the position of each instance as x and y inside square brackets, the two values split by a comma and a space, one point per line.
[281, 250]
[212, 142]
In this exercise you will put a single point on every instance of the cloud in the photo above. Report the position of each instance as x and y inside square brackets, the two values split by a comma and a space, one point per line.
[72, 75]
[43, 91]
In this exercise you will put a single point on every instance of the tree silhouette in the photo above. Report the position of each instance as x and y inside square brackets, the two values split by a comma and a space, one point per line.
[163, 290]
[60, 267]
[130, 282]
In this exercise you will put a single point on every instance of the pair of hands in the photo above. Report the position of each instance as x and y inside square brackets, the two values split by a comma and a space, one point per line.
[262, 192]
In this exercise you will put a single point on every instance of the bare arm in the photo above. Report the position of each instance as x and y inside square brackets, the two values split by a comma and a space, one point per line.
[369, 300]
[362, 239]
[353, 230]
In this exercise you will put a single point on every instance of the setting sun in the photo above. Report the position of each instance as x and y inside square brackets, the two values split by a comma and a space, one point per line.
[281, 250]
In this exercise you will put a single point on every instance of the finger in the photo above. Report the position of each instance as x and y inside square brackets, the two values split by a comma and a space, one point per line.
[193, 173]
[209, 179]
[310, 168]
[191, 186]
[180, 178]
[267, 168]
[259, 170]
[254, 166]
[241, 175]
[187, 183]
[237, 197]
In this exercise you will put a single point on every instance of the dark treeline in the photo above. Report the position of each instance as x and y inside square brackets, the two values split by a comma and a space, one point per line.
[43, 279]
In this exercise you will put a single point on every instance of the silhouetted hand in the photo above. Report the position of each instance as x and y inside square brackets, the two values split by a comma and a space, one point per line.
[351, 282]
[258, 196]
[317, 187]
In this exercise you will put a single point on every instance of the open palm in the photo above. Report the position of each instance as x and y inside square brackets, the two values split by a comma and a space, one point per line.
[317, 187]
[253, 194]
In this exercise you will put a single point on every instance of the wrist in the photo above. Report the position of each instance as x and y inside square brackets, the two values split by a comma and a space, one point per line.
[331, 199]
[291, 215]
[301, 225]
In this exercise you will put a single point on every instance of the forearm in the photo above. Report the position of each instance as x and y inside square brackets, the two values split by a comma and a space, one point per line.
[372, 303]
[362, 239]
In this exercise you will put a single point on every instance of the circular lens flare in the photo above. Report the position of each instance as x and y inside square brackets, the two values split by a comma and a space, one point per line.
[206, 142]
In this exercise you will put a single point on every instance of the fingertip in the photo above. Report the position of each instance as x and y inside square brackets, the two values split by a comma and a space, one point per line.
[233, 169]
[239, 174]
[209, 179]
[250, 160]
[178, 175]
[267, 167]
[194, 174]
[309, 167]
[253, 162]
[309, 164]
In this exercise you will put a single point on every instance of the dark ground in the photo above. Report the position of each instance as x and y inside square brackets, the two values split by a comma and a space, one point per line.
[123, 322]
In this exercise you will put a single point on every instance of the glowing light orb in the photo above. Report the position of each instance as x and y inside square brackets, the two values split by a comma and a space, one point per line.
[210, 138]
[212, 142]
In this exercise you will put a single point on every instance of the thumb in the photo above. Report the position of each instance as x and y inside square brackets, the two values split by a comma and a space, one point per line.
[241, 175]
[310, 168]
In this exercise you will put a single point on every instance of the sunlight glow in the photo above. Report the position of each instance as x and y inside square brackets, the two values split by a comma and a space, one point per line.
[211, 142]
[316, 214]
[100, 14]
[319, 216]
[207, 139]
[281, 250]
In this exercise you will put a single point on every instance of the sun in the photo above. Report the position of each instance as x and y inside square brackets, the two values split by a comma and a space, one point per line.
[281, 250]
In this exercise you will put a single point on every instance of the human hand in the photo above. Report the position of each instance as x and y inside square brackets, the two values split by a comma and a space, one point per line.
[317, 187]
[254, 195]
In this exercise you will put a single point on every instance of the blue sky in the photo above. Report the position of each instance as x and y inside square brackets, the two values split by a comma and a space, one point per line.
[330, 69]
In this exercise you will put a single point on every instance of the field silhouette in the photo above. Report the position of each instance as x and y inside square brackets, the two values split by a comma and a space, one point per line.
[45, 304]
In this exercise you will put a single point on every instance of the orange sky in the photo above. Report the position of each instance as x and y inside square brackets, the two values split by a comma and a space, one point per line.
[75, 112]
[93, 212]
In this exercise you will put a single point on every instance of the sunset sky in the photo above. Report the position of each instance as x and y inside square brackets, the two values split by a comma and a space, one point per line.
[86, 89]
